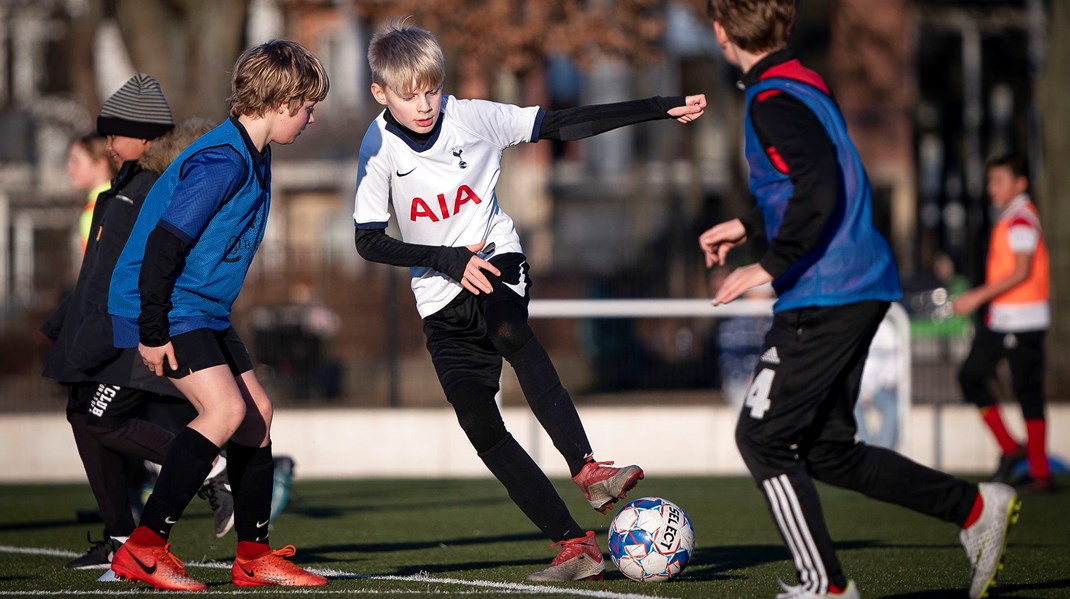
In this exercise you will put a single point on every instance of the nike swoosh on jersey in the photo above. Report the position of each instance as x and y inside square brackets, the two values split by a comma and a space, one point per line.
[401, 174]
[148, 569]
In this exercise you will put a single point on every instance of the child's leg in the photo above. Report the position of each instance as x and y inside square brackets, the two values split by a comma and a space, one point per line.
[1026, 360]
[975, 375]
[835, 458]
[551, 403]
[468, 367]
[104, 469]
[118, 422]
[806, 354]
[530, 490]
[250, 466]
[527, 485]
[506, 314]
[220, 410]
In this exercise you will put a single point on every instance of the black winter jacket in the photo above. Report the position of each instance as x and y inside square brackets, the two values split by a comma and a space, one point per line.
[81, 327]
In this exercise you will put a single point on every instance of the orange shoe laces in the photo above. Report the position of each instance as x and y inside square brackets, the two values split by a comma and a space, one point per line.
[168, 556]
[286, 551]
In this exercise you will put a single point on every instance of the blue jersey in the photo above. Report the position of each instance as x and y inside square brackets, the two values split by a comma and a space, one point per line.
[215, 197]
[852, 262]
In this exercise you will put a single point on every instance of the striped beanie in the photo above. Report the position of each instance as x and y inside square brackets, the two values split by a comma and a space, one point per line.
[138, 109]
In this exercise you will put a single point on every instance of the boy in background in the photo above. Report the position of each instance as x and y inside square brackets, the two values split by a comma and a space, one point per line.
[89, 169]
[1016, 288]
[111, 401]
[171, 296]
[437, 159]
[834, 276]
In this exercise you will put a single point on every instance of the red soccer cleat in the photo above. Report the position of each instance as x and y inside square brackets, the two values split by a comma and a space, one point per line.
[271, 570]
[154, 564]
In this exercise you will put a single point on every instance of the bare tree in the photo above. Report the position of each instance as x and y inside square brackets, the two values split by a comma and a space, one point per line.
[83, 25]
[1054, 183]
[486, 36]
[187, 45]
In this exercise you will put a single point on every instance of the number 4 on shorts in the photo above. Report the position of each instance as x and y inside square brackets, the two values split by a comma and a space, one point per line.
[758, 393]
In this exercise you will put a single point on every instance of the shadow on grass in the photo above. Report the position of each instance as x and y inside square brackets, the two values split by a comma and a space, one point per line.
[1018, 591]
[707, 563]
[318, 553]
[322, 511]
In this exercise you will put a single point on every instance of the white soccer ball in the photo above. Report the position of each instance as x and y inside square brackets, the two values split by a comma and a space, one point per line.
[651, 540]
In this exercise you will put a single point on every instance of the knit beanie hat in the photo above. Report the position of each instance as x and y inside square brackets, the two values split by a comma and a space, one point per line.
[138, 109]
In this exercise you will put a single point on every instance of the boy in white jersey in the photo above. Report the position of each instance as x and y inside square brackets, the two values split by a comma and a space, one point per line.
[437, 159]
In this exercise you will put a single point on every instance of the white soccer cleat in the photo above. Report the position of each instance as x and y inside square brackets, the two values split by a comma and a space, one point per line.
[801, 592]
[578, 559]
[603, 485]
[986, 540]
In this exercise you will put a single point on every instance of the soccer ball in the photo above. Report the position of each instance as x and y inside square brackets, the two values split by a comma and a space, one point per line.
[651, 539]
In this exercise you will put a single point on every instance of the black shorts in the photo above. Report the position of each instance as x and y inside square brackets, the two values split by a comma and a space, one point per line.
[204, 348]
[457, 337]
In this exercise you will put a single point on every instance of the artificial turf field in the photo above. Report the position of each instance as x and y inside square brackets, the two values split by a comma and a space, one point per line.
[449, 538]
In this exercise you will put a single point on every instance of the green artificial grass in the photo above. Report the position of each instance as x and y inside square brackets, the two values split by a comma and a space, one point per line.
[465, 538]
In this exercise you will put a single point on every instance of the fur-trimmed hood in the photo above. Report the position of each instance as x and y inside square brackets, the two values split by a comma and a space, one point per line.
[167, 147]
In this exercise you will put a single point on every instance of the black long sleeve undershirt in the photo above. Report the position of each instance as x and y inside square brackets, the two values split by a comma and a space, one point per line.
[785, 123]
[165, 256]
[568, 124]
[374, 245]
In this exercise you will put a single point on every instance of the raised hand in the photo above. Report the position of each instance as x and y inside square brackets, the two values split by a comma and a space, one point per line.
[718, 240]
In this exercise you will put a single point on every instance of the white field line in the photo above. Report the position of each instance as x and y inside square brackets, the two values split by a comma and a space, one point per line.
[489, 586]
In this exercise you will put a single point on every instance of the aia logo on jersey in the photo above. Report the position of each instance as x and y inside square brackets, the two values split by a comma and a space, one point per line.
[421, 209]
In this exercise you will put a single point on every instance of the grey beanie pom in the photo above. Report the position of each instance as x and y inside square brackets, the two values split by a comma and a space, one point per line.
[138, 109]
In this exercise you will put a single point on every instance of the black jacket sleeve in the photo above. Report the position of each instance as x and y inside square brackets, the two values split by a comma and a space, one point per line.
[374, 245]
[786, 127]
[754, 223]
[165, 256]
[54, 324]
[585, 121]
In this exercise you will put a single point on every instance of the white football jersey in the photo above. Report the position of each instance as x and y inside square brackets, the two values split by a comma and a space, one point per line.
[442, 192]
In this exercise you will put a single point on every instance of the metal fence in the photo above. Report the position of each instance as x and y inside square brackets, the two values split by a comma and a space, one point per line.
[328, 329]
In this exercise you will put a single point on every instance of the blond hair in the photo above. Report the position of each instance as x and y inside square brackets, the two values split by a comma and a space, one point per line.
[276, 73]
[755, 25]
[404, 58]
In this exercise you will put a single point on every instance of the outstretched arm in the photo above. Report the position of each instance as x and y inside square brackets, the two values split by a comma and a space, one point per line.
[585, 121]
